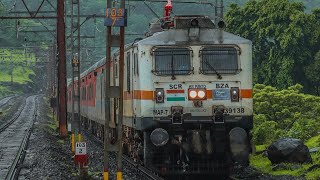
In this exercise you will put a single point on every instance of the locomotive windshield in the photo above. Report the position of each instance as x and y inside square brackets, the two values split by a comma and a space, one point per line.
[172, 61]
[219, 60]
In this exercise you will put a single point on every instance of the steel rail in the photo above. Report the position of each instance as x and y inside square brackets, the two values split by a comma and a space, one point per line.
[149, 174]
[15, 117]
[14, 171]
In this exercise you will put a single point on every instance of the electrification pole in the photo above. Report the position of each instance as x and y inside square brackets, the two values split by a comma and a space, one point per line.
[115, 17]
[219, 18]
[75, 54]
[61, 69]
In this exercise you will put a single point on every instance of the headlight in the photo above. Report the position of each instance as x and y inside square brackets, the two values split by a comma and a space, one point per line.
[193, 94]
[197, 94]
[201, 94]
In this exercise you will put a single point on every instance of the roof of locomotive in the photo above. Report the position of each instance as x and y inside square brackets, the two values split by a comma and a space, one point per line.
[181, 37]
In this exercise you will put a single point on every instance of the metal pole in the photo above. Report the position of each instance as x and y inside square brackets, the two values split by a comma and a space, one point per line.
[62, 68]
[107, 102]
[121, 80]
[79, 69]
[73, 85]
[219, 17]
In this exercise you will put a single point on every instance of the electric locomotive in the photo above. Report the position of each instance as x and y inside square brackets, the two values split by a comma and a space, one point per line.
[187, 97]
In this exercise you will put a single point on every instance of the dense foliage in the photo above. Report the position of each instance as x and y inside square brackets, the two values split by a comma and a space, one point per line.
[285, 40]
[284, 113]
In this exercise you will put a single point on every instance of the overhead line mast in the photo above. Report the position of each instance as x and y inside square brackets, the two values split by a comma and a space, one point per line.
[62, 73]
[115, 17]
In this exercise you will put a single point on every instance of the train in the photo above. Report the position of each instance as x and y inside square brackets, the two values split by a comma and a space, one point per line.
[188, 107]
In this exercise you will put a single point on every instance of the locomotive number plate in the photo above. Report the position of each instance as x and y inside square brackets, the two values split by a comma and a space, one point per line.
[234, 110]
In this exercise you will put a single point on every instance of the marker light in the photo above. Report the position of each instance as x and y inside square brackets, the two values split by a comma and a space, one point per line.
[159, 95]
[197, 94]
[234, 91]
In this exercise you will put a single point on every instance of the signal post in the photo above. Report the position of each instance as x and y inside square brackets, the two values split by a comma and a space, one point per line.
[115, 17]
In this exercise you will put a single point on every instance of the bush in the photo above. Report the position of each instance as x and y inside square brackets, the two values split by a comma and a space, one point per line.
[284, 113]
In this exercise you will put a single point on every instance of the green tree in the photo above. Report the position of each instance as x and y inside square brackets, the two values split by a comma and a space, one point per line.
[313, 73]
[285, 38]
[284, 113]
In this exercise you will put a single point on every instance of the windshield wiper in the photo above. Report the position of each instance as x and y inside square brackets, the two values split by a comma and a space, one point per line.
[214, 70]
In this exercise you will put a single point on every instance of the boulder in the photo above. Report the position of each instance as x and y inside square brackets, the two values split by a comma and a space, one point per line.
[288, 150]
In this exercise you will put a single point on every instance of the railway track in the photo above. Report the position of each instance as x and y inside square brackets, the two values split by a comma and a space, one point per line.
[14, 137]
[146, 172]
[5, 100]
[14, 117]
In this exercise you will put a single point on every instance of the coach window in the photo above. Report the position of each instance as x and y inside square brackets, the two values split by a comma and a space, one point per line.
[221, 60]
[172, 61]
[128, 72]
[89, 92]
[82, 93]
[85, 93]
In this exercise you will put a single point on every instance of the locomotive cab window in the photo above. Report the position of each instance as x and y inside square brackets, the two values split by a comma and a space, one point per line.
[172, 61]
[222, 60]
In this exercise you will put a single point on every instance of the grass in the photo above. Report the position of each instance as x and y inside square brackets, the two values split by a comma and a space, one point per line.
[18, 63]
[53, 125]
[260, 148]
[92, 174]
[313, 175]
[5, 91]
[20, 75]
[313, 142]
[263, 164]
[61, 141]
